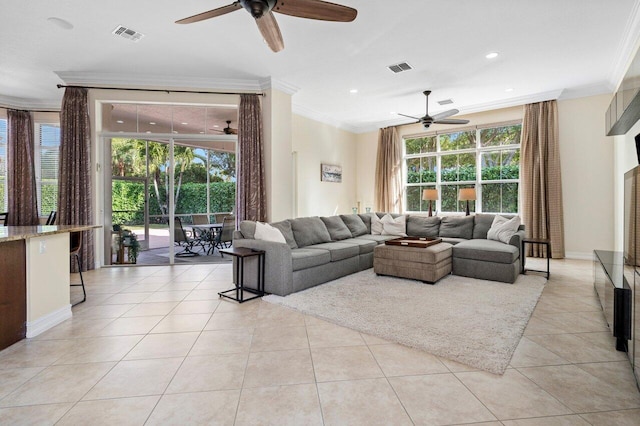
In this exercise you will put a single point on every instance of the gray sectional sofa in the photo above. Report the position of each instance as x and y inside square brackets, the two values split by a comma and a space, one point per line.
[321, 249]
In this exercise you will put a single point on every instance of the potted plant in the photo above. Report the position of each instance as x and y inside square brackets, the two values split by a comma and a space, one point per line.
[130, 240]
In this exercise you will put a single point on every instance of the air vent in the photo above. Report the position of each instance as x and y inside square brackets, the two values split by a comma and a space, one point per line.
[402, 66]
[445, 102]
[128, 33]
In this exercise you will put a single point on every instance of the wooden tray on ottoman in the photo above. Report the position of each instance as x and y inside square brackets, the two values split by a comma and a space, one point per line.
[422, 242]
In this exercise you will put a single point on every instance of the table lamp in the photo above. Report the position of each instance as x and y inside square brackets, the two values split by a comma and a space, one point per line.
[431, 195]
[467, 194]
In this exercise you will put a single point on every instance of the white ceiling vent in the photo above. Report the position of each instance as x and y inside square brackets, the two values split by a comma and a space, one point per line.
[445, 102]
[128, 33]
[402, 66]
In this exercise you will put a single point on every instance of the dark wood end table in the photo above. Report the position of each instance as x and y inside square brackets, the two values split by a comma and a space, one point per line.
[240, 254]
[539, 241]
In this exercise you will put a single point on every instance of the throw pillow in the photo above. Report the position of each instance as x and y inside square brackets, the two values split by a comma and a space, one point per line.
[502, 229]
[376, 225]
[355, 224]
[397, 226]
[336, 227]
[266, 232]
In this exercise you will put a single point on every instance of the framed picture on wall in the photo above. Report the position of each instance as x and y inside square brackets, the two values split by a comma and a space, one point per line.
[330, 173]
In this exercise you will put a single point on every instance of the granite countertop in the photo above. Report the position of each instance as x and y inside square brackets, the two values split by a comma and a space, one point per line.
[13, 233]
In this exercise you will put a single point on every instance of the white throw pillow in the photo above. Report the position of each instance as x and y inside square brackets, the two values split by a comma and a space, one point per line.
[376, 225]
[391, 226]
[502, 229]
[266, 232]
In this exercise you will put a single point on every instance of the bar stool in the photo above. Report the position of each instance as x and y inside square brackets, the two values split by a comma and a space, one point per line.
[75, 239]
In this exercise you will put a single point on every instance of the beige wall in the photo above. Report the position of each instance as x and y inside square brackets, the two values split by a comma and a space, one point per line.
[367, 151]
[586, 155]
[315, 143]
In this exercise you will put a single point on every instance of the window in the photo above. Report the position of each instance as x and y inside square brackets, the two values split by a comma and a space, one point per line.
[487, 159]
[47, 145]
[47, 158]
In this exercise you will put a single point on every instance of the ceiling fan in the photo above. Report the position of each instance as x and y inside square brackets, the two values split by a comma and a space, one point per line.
[262, 11]
[441, 118]
[227, 130]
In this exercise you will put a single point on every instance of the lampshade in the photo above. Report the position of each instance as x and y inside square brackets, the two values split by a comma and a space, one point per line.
[467, 194]
[430, 194]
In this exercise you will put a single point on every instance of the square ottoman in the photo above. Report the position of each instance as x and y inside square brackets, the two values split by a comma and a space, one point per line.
[425, 264]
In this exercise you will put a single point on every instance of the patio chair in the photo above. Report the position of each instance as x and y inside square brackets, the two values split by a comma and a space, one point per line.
[184, 239]
[200, 219]
[225, 236]
[4, 217]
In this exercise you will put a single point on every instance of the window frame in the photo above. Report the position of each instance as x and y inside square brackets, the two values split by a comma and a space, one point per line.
[478, 151]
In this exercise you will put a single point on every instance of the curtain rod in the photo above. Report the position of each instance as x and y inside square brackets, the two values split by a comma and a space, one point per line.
[60, 86]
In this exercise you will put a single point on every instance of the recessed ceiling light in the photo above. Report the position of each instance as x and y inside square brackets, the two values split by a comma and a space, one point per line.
[491, 55]
[392, 112]
[119, 121]
[148, 131]
[201, 133]
[215, 125]
[175, 131]
[153, 123]
[508, 89]
[184, 124]
[353, 91]
[60, 23]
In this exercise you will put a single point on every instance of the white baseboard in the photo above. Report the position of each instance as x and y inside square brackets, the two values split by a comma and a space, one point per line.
[578, 255]
[48, 321]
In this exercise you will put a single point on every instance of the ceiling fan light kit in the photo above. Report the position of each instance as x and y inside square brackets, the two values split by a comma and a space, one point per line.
[262, 12]
[441, 118]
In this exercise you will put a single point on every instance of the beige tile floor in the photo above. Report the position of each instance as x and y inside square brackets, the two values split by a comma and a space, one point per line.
[155, 345]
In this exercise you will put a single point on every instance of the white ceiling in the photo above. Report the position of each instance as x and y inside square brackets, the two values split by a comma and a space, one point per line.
[548, 48]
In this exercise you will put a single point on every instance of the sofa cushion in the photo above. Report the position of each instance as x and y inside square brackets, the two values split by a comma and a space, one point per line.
[304, 258]
[481, 224]
[486, 250]
[382, 214]
[336, 227]
[377, 238]
[366, 218]
[456, 227]
[502, 229]
[266, 232]
[365, 246]
[355, 224]
[453, 241]
[248, 229]
[423, 226]
[285, 227]
[338, 251]
[308, 231]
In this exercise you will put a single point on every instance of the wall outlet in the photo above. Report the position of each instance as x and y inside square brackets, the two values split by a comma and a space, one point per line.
[43, 247]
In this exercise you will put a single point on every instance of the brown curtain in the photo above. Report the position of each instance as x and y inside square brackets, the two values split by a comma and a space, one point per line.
[541, 178]
[251, 201]
[74, 177]
[21, 182]
[388, 181]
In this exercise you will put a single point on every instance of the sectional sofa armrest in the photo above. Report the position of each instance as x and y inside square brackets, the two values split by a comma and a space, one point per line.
[278, 278]
[516, 240]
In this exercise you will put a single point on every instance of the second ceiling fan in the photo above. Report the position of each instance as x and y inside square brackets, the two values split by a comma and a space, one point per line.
[262, 12]
[441, 118]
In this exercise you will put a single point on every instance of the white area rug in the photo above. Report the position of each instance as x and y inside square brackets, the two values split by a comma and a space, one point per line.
[475, 322]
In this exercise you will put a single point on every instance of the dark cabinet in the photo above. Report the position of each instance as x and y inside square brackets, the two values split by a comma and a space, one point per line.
[13, 293]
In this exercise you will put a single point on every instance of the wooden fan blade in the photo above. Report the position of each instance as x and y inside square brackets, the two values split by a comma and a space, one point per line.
[211, 14]
[452, 121]
[316, 9]
[270, 31]
[445, 114]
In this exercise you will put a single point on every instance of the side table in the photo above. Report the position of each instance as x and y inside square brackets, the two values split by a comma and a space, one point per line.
[239, 255]
[539, 241]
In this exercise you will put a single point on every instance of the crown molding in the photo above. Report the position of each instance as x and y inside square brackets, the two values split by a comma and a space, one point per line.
[283, 86]
[603, 88]
[626, 48]
[155, 81]
[30, 104]
[322, 118]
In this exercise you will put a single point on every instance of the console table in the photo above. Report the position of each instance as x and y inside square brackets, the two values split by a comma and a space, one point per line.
[614, 293]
